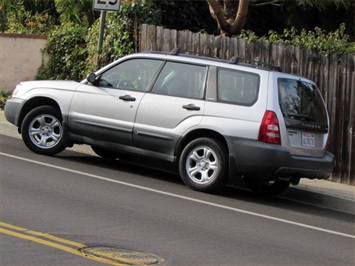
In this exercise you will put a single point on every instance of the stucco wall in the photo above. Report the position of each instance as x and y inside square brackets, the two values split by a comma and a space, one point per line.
[20, 58]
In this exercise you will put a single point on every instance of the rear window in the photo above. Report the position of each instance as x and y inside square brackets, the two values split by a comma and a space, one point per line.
[237, 87]
[301, 101]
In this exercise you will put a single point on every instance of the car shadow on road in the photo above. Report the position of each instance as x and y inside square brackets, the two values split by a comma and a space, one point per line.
[297, 200]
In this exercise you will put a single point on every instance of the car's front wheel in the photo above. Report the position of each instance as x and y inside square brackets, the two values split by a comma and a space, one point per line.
[42, 130]
[203, 164]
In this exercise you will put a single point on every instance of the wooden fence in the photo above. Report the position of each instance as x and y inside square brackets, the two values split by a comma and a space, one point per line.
[334, 75]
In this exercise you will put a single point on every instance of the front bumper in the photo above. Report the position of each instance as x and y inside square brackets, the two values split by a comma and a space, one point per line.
[12, 110]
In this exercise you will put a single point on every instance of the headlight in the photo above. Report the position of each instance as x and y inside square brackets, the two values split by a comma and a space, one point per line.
[17, 89]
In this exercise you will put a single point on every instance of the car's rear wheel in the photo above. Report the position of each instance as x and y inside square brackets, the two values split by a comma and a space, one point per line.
[105, 153]
[265, 187]
[42, 130]
[203, 164]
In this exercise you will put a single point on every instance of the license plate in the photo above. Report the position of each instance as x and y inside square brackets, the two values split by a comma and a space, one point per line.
[308, 140]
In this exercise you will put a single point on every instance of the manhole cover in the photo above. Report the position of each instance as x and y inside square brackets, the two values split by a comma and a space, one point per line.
[126, 256]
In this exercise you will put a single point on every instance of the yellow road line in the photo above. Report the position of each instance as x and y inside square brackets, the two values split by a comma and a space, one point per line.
[37, 237]
[35, 233]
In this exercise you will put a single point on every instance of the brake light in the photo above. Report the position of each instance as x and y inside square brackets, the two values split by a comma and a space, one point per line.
[269, 129]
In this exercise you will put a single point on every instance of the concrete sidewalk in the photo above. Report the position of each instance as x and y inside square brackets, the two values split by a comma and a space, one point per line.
[324, 187]
[328, 188]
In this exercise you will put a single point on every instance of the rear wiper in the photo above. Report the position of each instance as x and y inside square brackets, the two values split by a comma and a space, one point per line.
[301, 117]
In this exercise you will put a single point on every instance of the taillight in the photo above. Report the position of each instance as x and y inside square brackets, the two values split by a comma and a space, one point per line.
[269, 129]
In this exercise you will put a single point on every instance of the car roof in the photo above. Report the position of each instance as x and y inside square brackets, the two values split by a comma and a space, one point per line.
[211, 60]
[178, 55]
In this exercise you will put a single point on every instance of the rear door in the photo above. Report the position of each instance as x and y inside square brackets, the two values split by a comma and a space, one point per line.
[175, 104]
[305, 116]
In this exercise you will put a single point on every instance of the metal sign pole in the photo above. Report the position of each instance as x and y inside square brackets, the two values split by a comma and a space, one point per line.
[101, 36]
[103, 6]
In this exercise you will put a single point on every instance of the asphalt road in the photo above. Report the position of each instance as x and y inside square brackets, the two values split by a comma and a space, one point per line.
[76, 209]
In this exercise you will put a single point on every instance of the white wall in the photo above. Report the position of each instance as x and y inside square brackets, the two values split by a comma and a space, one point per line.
[20, 58]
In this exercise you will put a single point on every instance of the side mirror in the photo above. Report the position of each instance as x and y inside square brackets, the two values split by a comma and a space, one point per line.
[91, 78]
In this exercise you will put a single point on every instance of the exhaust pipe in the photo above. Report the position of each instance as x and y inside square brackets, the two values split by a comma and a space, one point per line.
[293, 180]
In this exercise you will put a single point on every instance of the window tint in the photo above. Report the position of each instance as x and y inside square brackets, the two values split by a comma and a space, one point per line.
[237, 87]
[135, 74]
[301, 101]
[182, 80]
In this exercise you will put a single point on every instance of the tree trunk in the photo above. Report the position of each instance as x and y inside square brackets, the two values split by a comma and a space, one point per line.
[230, 15]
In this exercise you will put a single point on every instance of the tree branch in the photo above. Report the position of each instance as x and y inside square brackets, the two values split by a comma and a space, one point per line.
[229, 25]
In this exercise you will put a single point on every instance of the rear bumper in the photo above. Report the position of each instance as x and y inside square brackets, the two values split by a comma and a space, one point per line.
[268, 161]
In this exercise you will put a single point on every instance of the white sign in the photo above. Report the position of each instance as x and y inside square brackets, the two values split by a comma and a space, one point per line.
[113, 5]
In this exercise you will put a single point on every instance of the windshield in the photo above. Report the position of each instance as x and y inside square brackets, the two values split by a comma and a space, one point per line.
[303, 102]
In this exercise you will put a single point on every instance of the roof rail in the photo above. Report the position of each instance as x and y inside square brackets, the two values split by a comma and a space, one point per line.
[236, 60]
[175, 51]
[178, 50]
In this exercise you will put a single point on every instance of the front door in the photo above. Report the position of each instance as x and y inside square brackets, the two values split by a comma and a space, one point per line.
[107, 109]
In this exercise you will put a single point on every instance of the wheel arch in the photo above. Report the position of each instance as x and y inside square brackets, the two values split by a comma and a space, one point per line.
[234, 176]
[201, 133]
[217, 145]
[33, 103]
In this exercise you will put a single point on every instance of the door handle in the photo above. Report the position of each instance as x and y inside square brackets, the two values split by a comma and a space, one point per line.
[191, 107]
[128, 98]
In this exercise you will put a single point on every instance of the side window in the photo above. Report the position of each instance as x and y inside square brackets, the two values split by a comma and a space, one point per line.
[181, 80]
[135, 74]
[237, 87]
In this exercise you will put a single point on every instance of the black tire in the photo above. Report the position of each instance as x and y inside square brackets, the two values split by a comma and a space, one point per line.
[42, 130]
[203, 165]
[105, 153]
[266, 188]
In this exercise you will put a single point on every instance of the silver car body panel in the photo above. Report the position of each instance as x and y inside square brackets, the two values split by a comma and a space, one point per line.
[161, 129]
[236, 120]
[112, 119]
[59, 91]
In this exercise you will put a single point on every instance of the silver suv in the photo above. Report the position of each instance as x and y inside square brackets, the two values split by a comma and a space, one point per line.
[219, 121]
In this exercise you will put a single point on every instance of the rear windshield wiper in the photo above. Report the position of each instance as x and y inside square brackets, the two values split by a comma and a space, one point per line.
[301, 117]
